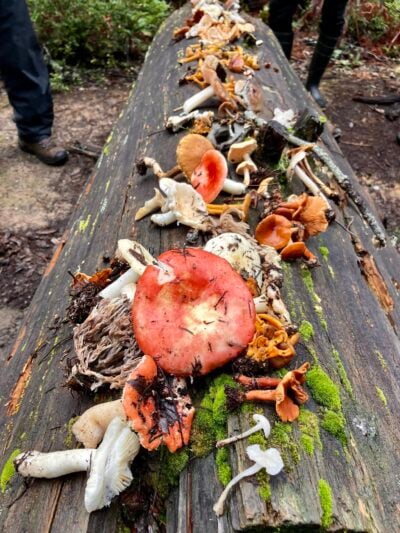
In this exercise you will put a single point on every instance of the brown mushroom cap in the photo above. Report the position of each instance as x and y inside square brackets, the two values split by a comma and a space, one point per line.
[313, 215]
[294, 250]
[275, 231]
[190, 150]
[238, 151]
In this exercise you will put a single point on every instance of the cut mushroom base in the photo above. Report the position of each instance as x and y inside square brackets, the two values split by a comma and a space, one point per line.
[197, 322]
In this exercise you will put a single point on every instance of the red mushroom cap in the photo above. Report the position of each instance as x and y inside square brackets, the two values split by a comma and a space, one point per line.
[209, 176]
[197, 319]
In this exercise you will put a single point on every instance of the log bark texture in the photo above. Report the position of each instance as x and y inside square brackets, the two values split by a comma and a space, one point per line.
[355, 336]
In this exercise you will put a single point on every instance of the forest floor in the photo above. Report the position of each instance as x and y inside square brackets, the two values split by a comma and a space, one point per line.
[36, 200]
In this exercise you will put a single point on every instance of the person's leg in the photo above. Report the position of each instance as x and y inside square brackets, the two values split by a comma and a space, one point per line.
[281, 14]
[26, 81]
[331, 26]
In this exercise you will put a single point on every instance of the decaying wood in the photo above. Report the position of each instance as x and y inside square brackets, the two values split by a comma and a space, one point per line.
[352, 334]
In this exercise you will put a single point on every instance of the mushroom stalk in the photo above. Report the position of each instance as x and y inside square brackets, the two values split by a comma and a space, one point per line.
[197, 99]
[262, 424]
[311, 186]
[164, 219]
[219, 506]
[151, 205]
[115, 288]
[269, 459]
[54, 464]
[234, 187]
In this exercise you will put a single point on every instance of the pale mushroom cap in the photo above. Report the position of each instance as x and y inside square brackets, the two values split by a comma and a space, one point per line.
[246, 165]
[240, 253]
[190, 150]
[238, 151]
[264, 423]
[186, 203]
[110, 473]
[269, 459]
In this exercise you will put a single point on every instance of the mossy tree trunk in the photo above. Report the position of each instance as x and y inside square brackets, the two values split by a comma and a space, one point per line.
[346, 481]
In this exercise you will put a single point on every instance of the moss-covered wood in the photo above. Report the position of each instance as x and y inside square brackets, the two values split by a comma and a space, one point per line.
[347, 479]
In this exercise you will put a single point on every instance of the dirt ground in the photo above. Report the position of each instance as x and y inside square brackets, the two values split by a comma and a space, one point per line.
[36, 201]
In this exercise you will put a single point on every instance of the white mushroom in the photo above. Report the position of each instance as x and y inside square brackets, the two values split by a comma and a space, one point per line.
[240, 252]
[269, 459]
[151, 205]
[261, 424]
[177, 122]
[109, 465]
[138, 258]
[183, 205]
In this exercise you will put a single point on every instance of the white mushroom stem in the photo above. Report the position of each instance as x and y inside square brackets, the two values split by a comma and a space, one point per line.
[219, 506]
[91, 426]
[151, 205]
[197, 99]
[164, 219]
[269, 459]
[246, 172]
[261, 304]
[53, 464]
[236, 188]
[262, 424]
[149, 162]
[307, 181]
[116, 287]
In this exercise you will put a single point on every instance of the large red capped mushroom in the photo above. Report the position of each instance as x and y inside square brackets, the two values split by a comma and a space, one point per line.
[209, 176]
[195, 319]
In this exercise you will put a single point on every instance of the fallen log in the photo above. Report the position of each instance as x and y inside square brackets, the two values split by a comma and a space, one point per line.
[348, 312]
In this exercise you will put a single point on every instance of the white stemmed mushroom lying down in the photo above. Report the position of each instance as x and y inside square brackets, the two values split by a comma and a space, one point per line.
[261, 424]
[182, 204]
[269, 459]
[214, 88]
[138, 258]
[109, 465]
[176, 123]
[240, 252]
[240, 153]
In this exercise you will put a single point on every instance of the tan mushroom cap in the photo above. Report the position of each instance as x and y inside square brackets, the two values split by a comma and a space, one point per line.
[190, 150]
[246, 165]
[237, 152]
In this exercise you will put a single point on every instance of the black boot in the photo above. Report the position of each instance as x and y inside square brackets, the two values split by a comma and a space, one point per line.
[322, 55]
[286, 41]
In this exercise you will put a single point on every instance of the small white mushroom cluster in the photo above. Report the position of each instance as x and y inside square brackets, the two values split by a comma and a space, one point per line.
[269, 459]
[108, 466]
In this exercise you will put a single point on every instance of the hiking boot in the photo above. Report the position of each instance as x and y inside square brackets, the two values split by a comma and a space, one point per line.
[45, 151]
[286, 41]
[321, 57]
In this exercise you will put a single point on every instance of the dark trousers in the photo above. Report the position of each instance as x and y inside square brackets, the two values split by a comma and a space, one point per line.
[24, 72]
[281, 14]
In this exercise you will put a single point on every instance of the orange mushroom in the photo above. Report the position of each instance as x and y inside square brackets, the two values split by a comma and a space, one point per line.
[275, 231]
[287, 396]
[298, 250]
[158, 406]
[271, 342]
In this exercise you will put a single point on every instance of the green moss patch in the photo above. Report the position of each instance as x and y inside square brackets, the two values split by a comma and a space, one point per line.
[326, 501]
[381, 396]
[264, 490]
[323, 389]
[342, 373]
[309, 428]
[309, 284]
[8, 471]
[381, 359]
[224, 469]
[324, 252]
[306, 330]
[335, 424]
[69, 439]
[281, 437]
[171, 465]
[211, 416]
